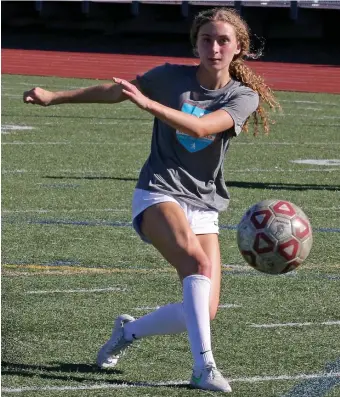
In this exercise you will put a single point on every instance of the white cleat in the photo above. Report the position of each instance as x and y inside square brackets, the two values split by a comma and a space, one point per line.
[110, 352]
[209, 378]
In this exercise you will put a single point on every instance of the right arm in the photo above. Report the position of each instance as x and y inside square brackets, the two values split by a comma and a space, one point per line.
[105, 93]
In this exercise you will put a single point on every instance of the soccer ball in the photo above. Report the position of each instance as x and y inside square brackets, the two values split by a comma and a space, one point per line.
[274, 236]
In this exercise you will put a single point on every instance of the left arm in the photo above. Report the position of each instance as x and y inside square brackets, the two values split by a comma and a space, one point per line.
[209, 124]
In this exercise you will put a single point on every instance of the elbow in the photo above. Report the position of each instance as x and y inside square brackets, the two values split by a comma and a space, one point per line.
[199, 132]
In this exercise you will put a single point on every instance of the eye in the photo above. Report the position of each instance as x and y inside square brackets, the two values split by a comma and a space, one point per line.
[224, 40]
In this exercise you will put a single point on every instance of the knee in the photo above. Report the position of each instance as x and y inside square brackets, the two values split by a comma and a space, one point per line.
[197, 262]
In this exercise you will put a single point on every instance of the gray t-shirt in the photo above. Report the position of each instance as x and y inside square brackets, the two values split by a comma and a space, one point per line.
[182, 166]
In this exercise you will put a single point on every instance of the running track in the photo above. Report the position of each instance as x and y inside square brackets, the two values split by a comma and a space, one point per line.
[279, 76]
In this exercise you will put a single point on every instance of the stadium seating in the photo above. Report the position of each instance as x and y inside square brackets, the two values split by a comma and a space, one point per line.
[270, 18]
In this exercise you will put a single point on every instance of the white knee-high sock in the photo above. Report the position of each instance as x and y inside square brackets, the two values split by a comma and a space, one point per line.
[196, 294]
[166, 320]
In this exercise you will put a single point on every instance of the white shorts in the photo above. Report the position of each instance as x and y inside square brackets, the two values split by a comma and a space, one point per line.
[200, 220]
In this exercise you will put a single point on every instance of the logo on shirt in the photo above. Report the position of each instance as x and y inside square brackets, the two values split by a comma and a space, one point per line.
[189, 142]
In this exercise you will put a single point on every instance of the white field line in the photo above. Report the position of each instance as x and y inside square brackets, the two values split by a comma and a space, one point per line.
[81, 290]
[244, 170]
[308, 115]
[311, 102]
[106, 386]
[7, 129]
[96, 122]
[284, 170]
[39, 143]
[85, 143]
[142, 143]
[42, 211]
[228, 306]
[224, 306]
[236, 267]
[273, 325]
[288, 143]
[328, 162]
[310, 108]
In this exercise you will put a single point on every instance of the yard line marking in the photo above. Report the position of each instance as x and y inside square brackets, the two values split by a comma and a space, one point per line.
[147, 308]
[309, 116]
[37, 270]
[143, 143]
[42, 211]
[8, 128]
[68, 291]
[315, 102]
[75, 210]
[78, 269]
[244, 170]
[16, 171]
[287, 143]
[64, 222]
[273, 325]
[311, 108]
[225, 306]
[128, 224]
[228, 306]
[122, 385]
[316, 387]
[36, 143]
[325, 162]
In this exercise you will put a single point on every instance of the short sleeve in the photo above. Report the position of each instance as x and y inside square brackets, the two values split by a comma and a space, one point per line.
[155, 82]
[241, 105]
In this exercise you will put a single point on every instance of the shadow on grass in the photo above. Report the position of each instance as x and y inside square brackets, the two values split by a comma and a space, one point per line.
[242, 185]
[281, 186]
[91, 177]
[61, 371]
[15, 368]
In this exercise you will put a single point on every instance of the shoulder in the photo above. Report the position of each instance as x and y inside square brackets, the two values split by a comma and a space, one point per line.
[239, 89]
[242, 95]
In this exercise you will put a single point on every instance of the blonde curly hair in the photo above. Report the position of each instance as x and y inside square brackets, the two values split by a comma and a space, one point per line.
[237, 68]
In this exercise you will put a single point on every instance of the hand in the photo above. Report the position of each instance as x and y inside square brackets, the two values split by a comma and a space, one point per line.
[133, 93]
[38, 96]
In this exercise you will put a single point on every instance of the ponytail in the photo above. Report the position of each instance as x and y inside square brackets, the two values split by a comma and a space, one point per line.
[241, 72]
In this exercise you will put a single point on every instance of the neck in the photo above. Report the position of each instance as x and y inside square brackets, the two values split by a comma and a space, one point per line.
[212, 80]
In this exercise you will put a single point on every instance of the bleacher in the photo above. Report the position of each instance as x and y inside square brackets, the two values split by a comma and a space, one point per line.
[271, 18]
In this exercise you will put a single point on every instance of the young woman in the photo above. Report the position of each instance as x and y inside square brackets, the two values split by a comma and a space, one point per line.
[181, 189]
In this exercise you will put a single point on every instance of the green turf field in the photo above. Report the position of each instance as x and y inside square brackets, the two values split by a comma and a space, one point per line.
[71, 261]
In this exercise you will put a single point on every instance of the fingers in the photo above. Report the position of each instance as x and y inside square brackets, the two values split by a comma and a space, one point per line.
[122, 82]
[29, 96]
[36, 96]
[28, 99]
[117, 80]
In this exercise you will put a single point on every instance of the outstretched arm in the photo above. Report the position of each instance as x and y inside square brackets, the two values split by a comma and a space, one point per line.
[209, 124]
[105, 93]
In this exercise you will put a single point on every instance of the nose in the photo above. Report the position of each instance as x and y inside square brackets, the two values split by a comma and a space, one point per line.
[215, 46]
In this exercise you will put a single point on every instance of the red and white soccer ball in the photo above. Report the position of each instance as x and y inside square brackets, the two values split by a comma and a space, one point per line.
[274, 236]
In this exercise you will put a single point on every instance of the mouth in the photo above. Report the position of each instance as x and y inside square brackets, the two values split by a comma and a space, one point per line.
[214, 59]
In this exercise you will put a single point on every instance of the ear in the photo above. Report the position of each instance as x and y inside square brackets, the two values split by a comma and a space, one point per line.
[238, 49]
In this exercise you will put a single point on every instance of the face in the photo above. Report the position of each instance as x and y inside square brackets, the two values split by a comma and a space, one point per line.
[217, 45]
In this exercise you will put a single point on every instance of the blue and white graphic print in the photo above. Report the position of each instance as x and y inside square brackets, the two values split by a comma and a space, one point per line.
[190, 143]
